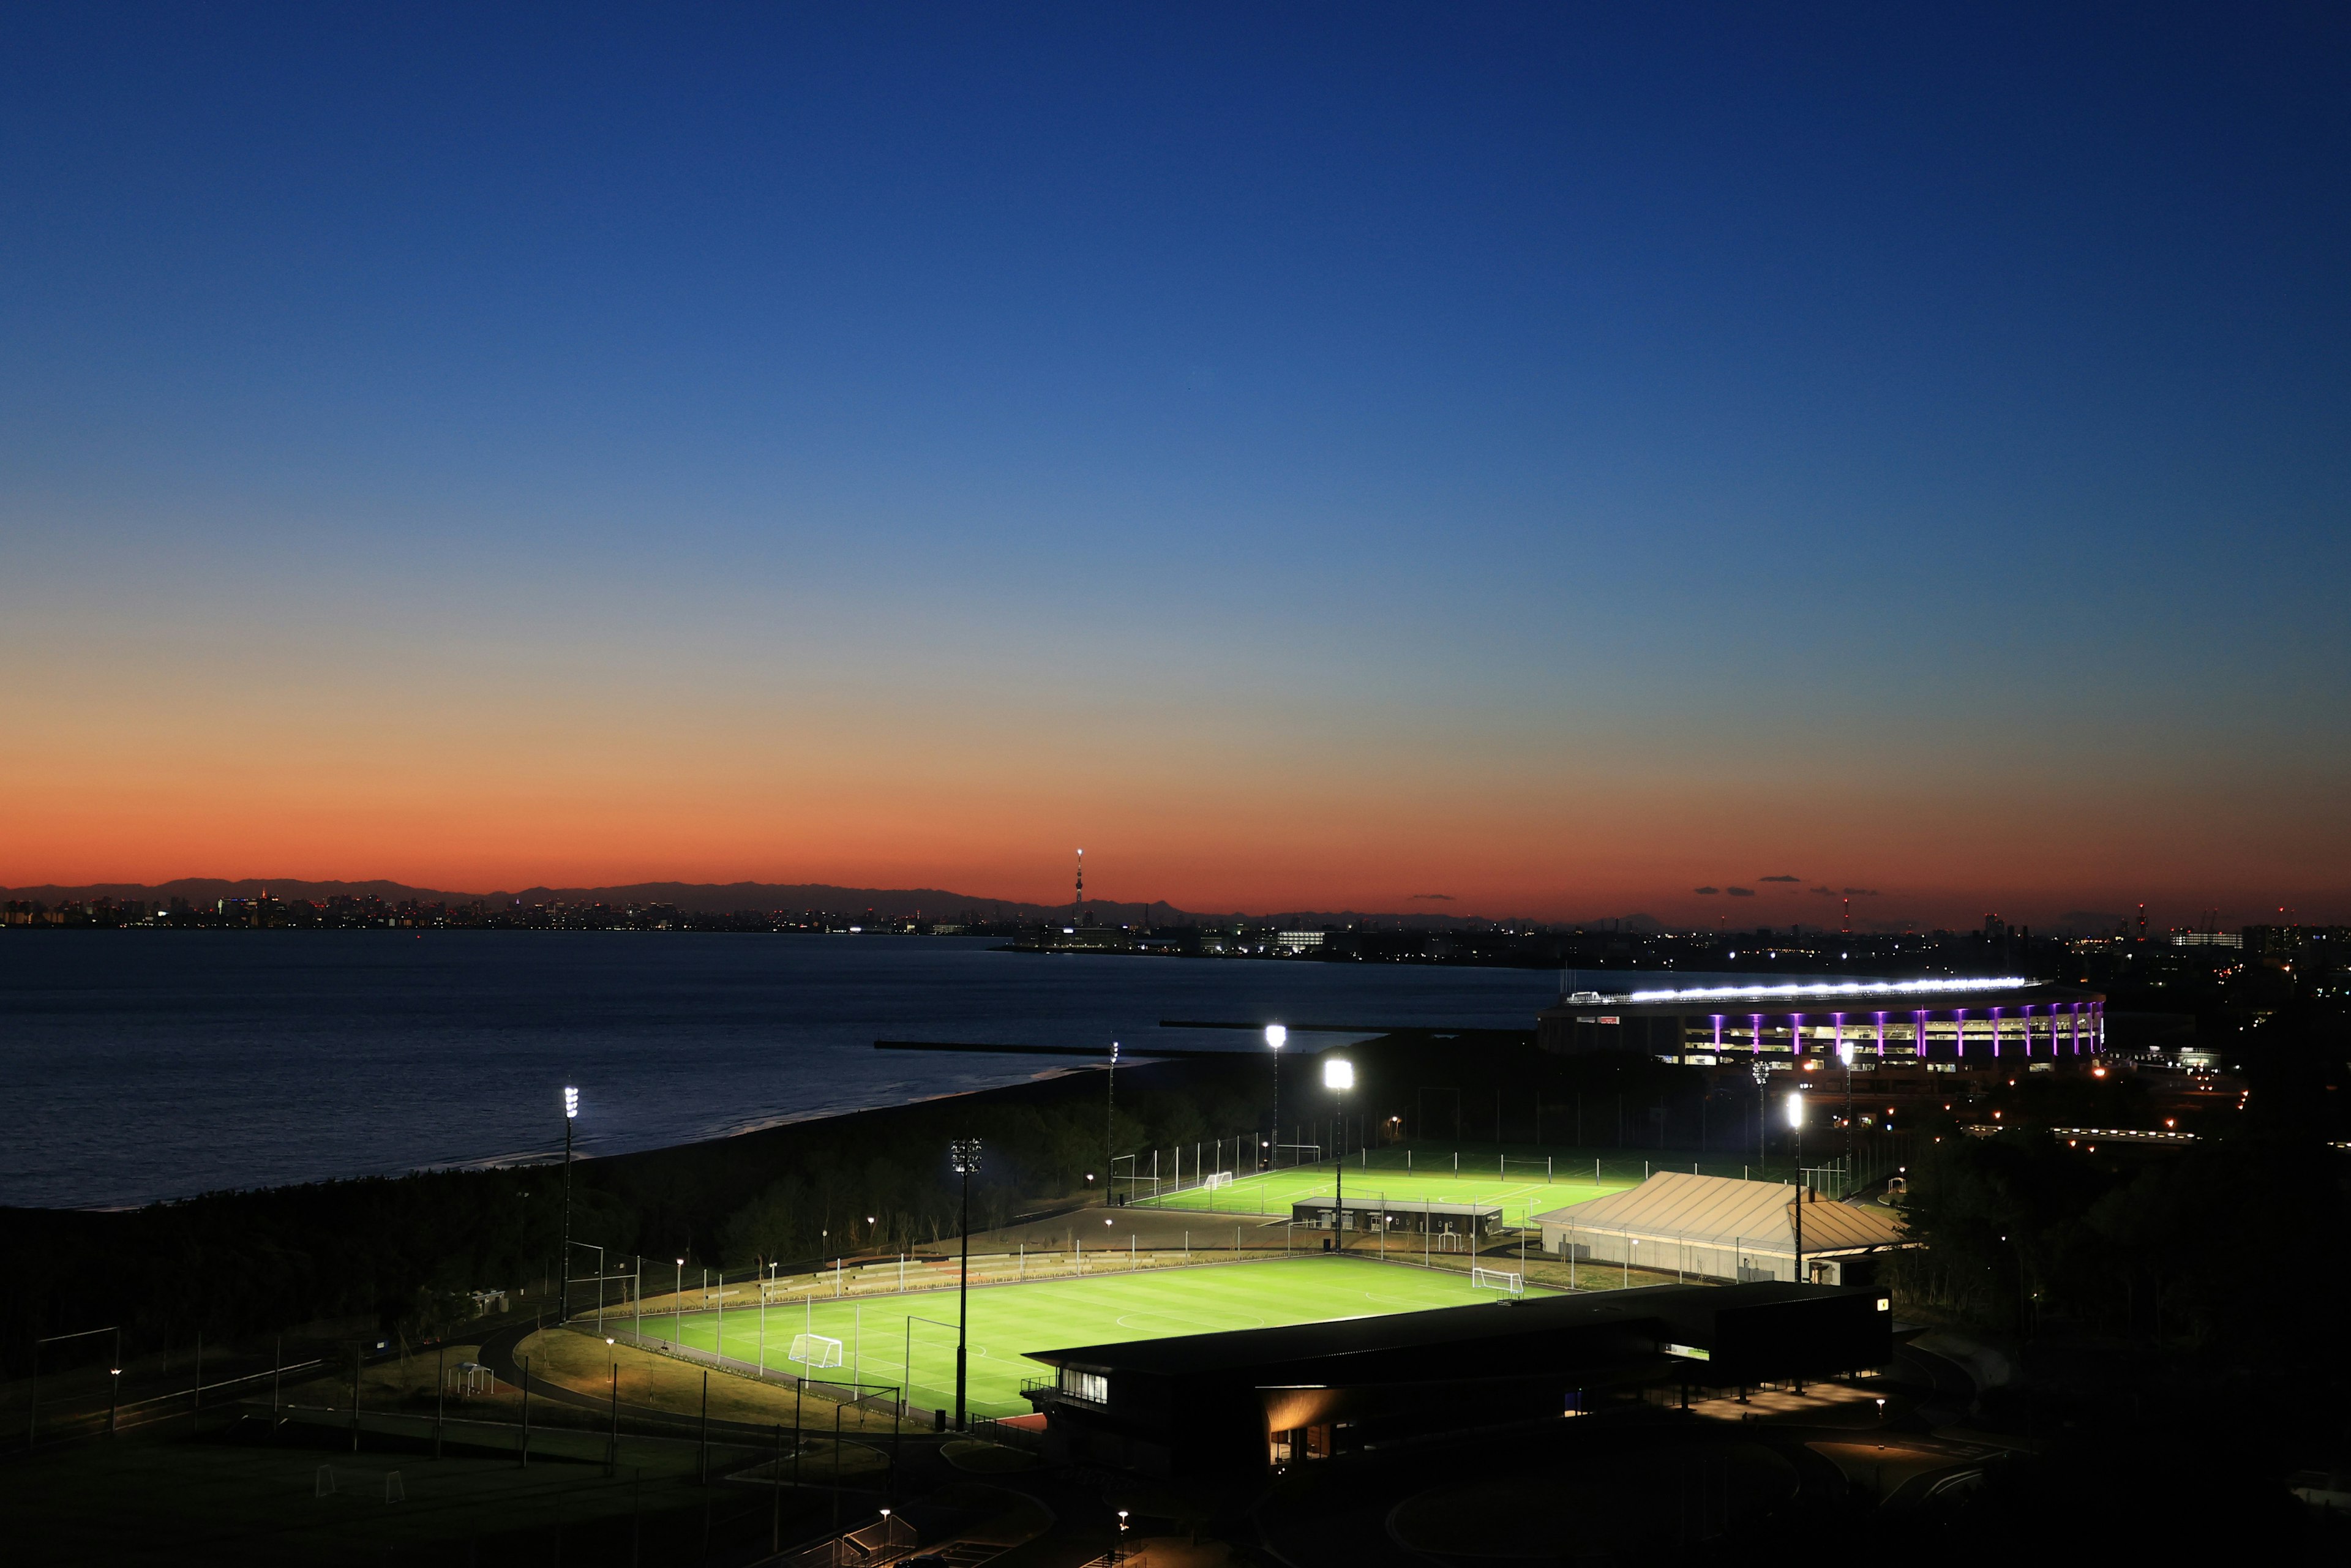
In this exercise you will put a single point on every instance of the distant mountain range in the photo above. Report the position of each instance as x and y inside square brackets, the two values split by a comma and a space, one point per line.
[723, 898]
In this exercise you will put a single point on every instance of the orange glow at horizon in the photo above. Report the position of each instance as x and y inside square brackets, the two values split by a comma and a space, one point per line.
[501, 773]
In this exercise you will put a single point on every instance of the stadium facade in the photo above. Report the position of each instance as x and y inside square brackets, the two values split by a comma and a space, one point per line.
[1966, 1022]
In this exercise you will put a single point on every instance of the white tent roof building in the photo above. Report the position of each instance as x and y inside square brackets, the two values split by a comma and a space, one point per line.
[1716, 1227]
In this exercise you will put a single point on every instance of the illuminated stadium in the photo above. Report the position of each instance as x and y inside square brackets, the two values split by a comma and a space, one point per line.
[1972, 1021]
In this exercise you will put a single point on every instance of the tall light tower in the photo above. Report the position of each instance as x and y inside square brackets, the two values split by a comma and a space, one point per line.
[1078, 908]
[1275, 1034]
[1110, 1125]
[1763, 1073]
[1796, 1126]
[966, 1160]
[1796, 1122]
[563, 1266]
[1339, 1076]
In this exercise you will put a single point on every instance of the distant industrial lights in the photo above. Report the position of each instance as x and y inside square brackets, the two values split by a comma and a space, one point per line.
[1338, 1073]
[1276, 1035]
[570, 1102]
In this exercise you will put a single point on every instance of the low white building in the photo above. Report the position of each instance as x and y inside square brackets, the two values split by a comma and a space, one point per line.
[1716, 1227]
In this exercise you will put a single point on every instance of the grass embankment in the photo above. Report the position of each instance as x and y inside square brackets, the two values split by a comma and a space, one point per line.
[585, 1364]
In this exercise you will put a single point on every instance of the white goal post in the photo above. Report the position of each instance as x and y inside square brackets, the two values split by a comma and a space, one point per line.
[815, 1350]
[1222, 1178]
[1503, 1279]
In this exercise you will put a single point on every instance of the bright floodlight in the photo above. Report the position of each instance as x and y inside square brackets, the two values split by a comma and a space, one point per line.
[570, 1103]
[1795, 1110]
[1338, 1075]
[1275, 1034]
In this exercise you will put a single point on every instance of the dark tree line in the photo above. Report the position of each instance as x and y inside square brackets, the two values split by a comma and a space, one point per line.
[406, 1251]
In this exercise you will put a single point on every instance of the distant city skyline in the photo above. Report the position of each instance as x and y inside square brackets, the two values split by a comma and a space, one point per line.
[1508, 460]
[940, 903]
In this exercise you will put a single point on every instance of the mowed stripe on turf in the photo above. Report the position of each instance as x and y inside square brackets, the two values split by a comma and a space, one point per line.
[1009, 1320]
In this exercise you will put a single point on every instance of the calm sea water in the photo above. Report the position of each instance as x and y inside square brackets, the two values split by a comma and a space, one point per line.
[138, 1065]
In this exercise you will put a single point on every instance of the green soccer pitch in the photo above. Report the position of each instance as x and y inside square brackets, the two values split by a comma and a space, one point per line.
[1273, 1193]
[1052, 1314]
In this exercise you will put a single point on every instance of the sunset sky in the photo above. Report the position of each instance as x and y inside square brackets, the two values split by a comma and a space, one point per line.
[1311, 456]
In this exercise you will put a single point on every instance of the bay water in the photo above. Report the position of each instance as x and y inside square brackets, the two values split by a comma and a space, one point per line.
[137, 1065]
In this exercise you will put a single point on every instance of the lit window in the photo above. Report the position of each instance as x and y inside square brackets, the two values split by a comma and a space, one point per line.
[1093, 1387]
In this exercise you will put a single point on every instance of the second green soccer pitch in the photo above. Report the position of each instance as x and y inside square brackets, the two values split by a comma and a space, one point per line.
[1519, 1198]
[1008, 1321]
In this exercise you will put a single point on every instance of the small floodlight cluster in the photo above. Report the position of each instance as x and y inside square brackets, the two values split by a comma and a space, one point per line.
[1276, 1035]
[966, 1154]
[570, 1103]
[1338, 1073]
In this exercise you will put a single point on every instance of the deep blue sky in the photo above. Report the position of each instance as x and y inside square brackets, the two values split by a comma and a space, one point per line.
[1556, 457]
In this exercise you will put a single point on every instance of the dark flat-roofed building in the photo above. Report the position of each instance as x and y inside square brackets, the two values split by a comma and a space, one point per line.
[1222, 1403]
[1372, 1211]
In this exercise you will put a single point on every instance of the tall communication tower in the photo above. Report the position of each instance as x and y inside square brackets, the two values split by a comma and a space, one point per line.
[1078, 907]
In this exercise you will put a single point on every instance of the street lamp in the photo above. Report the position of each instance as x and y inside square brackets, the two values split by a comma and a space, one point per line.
[1339, 1076]
[563, 1287]
[1276, 1036]
[965, 1153]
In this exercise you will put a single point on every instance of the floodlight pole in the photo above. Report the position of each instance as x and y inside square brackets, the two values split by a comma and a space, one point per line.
[966, 1160]
[1796, 1122]
[1339, 1076]
[1110, 1135]
[1847, 1187]
[1762, 1111]
[1275, 1035]
[563, 1282]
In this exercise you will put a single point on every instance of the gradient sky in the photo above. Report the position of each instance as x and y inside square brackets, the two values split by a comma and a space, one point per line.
[1555, 457]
